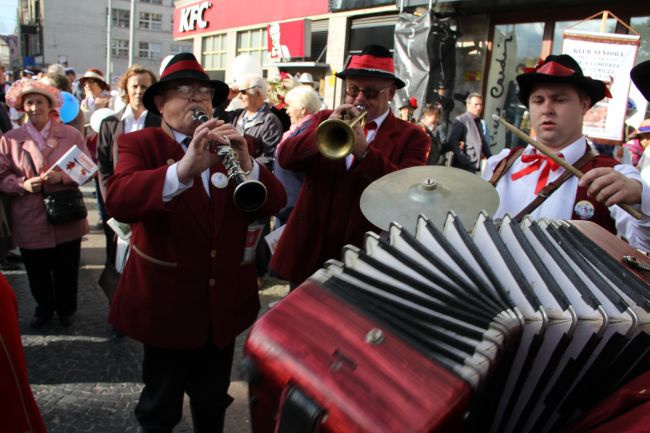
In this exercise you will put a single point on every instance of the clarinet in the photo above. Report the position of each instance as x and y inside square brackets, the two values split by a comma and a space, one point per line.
[249, 195]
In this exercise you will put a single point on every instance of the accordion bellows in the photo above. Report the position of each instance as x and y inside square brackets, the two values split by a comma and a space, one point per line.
[510, 328]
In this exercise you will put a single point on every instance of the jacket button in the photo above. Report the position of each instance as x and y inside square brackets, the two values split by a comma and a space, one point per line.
[212, 282]
[170, 161]
[213, 253]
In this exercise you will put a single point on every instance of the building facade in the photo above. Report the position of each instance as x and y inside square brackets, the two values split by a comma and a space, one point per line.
[75, 33]
[9, 52]
[219, 30]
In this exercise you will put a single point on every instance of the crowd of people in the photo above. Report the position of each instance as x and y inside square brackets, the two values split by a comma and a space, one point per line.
[187, 262]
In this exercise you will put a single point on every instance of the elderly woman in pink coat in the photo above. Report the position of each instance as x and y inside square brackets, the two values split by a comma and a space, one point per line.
[50, 252]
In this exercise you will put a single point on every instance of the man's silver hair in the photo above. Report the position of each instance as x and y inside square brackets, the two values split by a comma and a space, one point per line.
[254, 81]
[473, 95]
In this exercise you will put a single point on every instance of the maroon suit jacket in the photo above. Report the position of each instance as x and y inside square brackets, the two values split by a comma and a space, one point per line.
[18, 411]
[327, 215]
[183, 281]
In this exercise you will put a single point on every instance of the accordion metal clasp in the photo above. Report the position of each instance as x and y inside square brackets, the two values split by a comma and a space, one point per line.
[375, 336]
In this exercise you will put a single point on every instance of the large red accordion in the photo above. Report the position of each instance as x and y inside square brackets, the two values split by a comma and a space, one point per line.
[512, 328]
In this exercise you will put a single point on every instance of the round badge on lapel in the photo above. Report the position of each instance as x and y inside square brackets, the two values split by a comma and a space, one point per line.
[219, 180]
[584, 209]
[52, 142]
[170, 161]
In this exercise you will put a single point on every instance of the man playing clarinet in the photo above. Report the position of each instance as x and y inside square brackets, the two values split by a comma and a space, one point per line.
[189, 286]
[558, 95]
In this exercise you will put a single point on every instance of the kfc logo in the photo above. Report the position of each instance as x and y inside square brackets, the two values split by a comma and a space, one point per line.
[193, 16]
[288, 40]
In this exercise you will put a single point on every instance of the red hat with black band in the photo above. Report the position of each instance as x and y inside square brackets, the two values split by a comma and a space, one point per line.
[374, 61]
[183, 66]
[560, 69]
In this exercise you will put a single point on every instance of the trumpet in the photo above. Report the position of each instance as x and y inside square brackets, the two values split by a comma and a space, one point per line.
[335, 137]
[249, 195]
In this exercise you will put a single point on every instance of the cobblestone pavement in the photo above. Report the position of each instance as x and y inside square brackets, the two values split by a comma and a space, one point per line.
[84, 378]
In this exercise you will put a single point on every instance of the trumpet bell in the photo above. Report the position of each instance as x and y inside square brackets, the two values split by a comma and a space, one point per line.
[334, 138]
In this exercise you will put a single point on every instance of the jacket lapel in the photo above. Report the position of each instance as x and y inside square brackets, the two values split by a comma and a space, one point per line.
[54, 140]
[151, 120]
[35, 166]
[385, 139]
[119, 128]
[196, 194]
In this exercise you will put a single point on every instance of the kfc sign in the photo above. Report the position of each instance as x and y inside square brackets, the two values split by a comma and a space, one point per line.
[192, 17]
[289, 40]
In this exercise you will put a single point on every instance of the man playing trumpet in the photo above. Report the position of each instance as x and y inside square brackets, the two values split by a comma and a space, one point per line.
[558, 95]
[189, 286]
[327, 214]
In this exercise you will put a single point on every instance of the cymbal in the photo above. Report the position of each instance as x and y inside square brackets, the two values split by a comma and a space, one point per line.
[431, 190]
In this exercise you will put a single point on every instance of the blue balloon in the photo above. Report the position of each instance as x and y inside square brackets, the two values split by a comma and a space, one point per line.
[70, 107]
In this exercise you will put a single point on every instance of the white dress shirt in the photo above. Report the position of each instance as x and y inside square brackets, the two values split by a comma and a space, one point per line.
[131, 124]
[514, 195]
[173, 186]
[370, 136]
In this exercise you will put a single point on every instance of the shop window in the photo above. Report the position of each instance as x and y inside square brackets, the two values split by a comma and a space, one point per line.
[318, 46]
[178, 48]
[515, 46]
[150, 21]
[149, 50]
[119, 47]
[213, 52]
[642, 26]
[120, 18]
[379, 30]
[153, 2]
[319, 33]
[253, 42]
[471, 50]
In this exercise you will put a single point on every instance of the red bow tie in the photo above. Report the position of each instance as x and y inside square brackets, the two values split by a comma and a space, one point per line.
[369, 126]
[537, 160]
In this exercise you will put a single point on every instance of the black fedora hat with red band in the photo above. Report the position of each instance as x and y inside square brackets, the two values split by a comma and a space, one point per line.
[183, 66]
[641, 77]
[374, 61]
[560, 69]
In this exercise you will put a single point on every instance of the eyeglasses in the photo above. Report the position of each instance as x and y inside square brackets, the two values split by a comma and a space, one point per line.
[202, 92]
[369, 93]
[245, 91]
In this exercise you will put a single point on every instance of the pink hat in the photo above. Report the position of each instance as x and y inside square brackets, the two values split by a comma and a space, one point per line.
[26, 86]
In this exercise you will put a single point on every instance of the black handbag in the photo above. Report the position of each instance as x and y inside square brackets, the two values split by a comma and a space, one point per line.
[64, 206]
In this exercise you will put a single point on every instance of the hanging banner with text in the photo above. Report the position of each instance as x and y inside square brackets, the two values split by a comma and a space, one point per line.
[607, 57]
